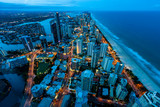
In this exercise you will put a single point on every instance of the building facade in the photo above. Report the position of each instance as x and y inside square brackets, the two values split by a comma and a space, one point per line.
[86, 80]
[27, 42]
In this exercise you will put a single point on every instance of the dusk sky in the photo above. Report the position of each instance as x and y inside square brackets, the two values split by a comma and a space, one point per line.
[94, 4]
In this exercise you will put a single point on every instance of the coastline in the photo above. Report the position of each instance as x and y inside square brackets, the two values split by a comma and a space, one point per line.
[144, 75]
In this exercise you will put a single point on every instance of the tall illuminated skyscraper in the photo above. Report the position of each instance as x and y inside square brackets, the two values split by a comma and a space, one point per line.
[103, 50]
[79, 46]
[107, 63]
[95, 56]
[27, 42]
[112, 79]
[69, 30]
[63, 30]
[58, 27]
[99, 37]
[43, 41]
[121, 92]
[119, 68]
[90, 48]
[111, 91]
[55, 28]
[86, 80]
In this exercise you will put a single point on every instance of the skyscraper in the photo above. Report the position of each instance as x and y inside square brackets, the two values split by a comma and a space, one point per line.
[103, 50]
[86, 80]
[112, 79]
[121, 92]
[96, 32]
[79, 46]
[2, 52]
[95, 56]
[107, 63]
[99, 37]
[27, 42]
[75, 63]
[56, 30]
[82, 23]
[90, 48]
[81, 98]
[43, 41]
[69, 30]
[58, 27]
[111, 91]
[63, 30]
[119, 68]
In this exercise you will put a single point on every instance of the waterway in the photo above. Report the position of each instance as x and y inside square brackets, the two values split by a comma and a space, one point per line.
[15, 95]
[16, 81]
[47, 28]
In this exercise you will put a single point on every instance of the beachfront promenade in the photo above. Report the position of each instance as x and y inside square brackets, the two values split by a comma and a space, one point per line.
[147, 80]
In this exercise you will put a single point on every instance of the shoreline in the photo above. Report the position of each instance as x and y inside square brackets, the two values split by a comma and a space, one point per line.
[143, 75]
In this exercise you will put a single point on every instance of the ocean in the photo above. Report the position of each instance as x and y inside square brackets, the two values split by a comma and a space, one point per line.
[138, 30]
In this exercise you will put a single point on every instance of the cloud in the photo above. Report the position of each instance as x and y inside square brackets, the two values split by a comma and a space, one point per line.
[43, 2]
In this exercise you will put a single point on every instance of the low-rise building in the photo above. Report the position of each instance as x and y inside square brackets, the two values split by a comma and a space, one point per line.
[54, 68]
[37, 90]
[105, 91]
[57, 63]
[17, 62]
[47, 79]
[61, 75]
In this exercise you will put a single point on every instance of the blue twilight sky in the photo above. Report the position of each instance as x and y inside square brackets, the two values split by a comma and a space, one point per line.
[93, 4]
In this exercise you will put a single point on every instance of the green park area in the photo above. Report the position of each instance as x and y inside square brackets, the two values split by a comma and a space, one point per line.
[42, 68]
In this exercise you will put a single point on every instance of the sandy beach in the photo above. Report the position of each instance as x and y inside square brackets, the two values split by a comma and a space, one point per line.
[148, 78]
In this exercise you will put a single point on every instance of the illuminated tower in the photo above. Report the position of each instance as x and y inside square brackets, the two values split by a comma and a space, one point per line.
[107, 63]
[95, 56]
[79, 46]
[86, 80]
[119, 68]
[121, 92]
[58, 27]
[43, 41]
[56, 30]
[27, 42]
[99, 37]
[112, 79]
[103, 50]
[69, 30]
[90, 48]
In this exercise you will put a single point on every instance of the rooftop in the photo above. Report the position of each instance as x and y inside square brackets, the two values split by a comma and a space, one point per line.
[87, 73]
[47, 79]
[36, 88]
[46, 102]
[61, 75]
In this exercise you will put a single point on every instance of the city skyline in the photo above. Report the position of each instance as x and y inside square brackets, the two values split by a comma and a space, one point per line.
[79, 53]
